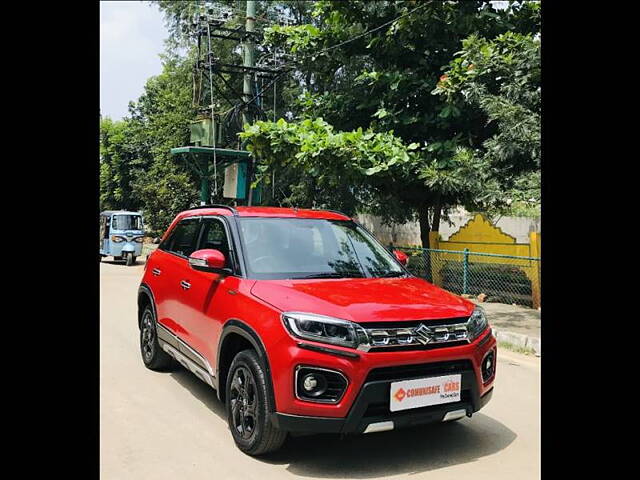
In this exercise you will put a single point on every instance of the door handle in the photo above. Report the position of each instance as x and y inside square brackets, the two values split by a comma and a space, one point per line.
[156, 271]
[185, 285]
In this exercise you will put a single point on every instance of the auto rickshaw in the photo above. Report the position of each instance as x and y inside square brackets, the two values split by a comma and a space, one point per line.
[121, 235]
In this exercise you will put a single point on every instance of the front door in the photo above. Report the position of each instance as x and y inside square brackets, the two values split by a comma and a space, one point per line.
[168, 269]
[203, 292]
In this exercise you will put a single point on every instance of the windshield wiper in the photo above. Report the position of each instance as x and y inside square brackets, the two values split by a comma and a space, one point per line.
[331, 275]
[392, 274]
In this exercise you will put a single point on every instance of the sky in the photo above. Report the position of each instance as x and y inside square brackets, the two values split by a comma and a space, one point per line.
[132, 36]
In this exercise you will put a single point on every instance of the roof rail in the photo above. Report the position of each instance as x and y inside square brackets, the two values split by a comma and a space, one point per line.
[216, 205]
[335, 211]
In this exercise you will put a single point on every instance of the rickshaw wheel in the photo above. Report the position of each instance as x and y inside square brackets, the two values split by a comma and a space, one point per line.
[130, 259]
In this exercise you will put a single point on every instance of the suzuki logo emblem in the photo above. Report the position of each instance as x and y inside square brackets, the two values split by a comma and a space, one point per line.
[423, 333]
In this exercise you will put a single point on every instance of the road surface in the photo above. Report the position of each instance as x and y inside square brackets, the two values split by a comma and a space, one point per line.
[171, 425]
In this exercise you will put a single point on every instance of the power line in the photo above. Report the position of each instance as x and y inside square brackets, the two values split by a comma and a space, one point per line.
[286, 65]
[366, 33]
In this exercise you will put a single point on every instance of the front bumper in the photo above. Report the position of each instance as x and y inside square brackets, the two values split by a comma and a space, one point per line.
[371, 406]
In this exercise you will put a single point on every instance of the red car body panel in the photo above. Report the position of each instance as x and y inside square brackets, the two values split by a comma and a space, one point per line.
[199, 314]
[364, 299]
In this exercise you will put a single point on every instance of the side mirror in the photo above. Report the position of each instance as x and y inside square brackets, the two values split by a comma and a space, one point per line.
[208, 260]
[402, 257]
[156, 240]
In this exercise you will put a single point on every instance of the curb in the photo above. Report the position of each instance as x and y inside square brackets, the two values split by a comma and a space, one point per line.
[519, 340]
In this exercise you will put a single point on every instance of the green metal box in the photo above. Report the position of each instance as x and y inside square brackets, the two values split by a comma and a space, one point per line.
[202, 133]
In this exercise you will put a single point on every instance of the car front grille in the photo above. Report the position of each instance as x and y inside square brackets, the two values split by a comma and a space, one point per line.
[416, 335]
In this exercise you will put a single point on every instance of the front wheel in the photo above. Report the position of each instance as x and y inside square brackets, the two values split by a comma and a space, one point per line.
[130, 259]
[248, 406]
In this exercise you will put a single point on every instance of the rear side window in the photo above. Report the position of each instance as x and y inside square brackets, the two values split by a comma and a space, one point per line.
[182, 239]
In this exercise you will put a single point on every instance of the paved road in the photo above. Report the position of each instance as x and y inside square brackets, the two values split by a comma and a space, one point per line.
[170, 425]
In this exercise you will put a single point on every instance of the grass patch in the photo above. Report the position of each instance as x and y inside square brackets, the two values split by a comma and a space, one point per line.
[513, 348]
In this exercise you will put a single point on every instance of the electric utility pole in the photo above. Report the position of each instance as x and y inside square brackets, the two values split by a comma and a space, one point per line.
[248, 77]
[245, 106]
[249, 49]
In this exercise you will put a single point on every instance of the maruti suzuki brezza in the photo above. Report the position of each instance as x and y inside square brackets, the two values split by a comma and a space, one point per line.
[303, 322]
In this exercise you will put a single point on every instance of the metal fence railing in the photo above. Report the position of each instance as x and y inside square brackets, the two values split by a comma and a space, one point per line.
[502, 278]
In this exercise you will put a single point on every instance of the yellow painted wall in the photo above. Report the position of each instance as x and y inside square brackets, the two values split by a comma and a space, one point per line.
[480, 236]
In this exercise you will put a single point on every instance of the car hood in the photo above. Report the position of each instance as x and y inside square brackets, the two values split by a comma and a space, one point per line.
[364, 299]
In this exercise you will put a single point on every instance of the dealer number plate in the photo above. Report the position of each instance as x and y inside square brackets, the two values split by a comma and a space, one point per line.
[423, 392]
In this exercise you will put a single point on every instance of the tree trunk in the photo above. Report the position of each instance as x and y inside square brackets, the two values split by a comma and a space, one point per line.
[423, 218]
[437, 212]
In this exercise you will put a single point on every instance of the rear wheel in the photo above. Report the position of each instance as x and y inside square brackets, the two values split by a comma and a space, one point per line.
[153, 356]
[249, 405]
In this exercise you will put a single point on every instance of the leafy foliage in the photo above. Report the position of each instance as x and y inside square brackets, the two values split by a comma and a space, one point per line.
[342, 170]
[116, 158]
[502, 78]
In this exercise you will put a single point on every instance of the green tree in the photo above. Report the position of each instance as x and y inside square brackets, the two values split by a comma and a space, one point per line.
[116, 165]
[160, 119]
[374, 65]
[501, 77]
[327, 169]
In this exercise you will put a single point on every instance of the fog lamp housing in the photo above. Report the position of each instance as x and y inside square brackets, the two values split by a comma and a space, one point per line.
[315, 384]
[488, 366]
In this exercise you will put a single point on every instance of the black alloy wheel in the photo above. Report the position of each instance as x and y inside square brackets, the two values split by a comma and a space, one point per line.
[243, 403]
[249, 406]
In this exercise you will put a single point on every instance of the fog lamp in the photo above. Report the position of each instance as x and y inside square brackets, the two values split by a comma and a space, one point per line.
[314, 384]
[310, 383]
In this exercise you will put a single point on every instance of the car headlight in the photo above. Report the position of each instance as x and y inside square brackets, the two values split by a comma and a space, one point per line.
[476, 324]
[324, 329]
[117, 239]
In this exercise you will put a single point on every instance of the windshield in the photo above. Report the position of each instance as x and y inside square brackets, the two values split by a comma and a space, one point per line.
[278, 248]
[126, 222]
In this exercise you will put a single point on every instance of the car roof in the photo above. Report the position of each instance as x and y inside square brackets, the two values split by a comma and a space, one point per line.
[273, 212]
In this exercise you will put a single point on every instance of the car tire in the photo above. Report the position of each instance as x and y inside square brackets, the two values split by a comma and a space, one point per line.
[249, 406]
[153, 356]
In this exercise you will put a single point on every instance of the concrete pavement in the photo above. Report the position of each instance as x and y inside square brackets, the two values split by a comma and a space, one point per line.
[170, 425]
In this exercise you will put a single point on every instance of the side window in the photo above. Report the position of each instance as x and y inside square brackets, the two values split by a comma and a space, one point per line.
[183, 238]
[214, 236]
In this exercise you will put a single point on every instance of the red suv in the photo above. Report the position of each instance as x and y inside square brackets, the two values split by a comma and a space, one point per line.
[303, 322]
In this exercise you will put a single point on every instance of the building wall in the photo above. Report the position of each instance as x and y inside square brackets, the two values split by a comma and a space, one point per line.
[409, 233]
